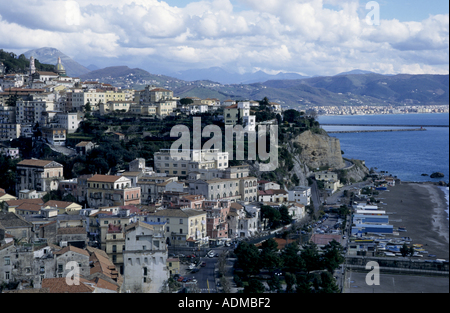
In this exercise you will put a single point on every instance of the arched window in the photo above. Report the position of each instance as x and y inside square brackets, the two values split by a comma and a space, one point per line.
[224, 195]
[246, 184]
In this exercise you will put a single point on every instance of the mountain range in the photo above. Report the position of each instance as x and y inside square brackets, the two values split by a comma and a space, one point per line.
[356, 87]
[218, 74]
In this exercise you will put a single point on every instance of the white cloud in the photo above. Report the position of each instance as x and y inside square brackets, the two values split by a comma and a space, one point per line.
[301, 36]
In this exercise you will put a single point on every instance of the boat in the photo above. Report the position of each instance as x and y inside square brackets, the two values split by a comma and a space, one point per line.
[401, 229]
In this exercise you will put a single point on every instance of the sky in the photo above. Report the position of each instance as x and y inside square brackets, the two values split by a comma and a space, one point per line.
[308, 37]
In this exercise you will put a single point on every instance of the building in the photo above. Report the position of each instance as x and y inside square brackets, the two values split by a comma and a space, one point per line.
[185, 227]
[84, 147]
[300, 194]
[39, 175]
[10, 131]
[63, 207]
[110, 190]
[16, 226]
[145, 258]
[179, 163]
[54, 136]
[13, 153]
[273, 195]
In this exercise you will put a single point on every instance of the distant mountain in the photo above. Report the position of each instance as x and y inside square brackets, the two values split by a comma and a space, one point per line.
[92, 67]
[125, 77]
[217, 74]
[50, 55]
[355, 72]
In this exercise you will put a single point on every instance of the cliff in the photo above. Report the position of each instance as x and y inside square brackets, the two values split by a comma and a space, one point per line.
[319, 150]
[307, 152]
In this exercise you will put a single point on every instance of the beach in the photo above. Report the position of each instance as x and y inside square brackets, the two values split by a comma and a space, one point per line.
[421, 209]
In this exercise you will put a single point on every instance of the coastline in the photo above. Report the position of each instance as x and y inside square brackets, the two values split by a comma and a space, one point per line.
[422, 208]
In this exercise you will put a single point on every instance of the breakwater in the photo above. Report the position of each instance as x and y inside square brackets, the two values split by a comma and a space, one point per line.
[375, 130]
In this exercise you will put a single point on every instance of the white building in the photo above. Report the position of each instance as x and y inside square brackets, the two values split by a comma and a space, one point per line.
[300, 194]
[145, 256]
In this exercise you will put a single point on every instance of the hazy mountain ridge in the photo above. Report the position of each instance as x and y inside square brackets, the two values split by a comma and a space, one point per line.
[50, 56]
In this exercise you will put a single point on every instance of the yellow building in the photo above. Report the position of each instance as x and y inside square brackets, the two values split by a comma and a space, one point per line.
[173, 266]
[184, 227]
[63, 207]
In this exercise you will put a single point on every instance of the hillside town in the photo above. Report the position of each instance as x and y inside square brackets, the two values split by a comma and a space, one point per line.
[149, 229]
[130, 221]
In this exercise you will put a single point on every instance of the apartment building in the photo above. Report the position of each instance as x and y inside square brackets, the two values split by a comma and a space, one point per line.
[180, 163]
[185, 227]
[39, 175]
[9, 131]
[300, 194]
[30, 111]
[110, 190]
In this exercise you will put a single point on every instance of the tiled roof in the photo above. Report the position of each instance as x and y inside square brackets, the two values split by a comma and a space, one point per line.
[71, 230]
[59, 204]
[13, 203]
[103, 178]
[10, 219]
[39, 163]
[59, 285]
[71, 248]
[28, 207]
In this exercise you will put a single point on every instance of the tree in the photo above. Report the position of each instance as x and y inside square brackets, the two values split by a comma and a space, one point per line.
[285, 217]
[248, 258]
[274, 283]
[328, 283]
[254, 286]
[272, 214]
[332, 256]
[292, 261]
[310, 256]
[404, 250]
[186, 101]
[291, 116]
[290, 282]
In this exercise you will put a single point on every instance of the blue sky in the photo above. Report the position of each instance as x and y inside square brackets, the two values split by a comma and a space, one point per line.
[308, 37]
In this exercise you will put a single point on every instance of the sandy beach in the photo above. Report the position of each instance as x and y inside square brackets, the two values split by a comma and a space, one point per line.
[420, 207]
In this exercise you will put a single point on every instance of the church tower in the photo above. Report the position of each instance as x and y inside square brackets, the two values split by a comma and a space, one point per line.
[60, 68]
[32, 66]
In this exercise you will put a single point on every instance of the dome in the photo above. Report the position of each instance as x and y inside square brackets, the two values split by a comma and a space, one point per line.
[60, 68]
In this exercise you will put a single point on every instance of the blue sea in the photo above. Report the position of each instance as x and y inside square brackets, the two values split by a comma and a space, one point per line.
[403, 154]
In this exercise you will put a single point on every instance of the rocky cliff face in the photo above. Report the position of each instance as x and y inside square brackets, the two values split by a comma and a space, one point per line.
[320, 150]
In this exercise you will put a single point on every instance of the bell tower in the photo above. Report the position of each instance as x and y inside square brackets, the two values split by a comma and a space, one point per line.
[32, 66]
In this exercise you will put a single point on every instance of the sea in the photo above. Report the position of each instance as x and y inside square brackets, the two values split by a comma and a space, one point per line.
[404, 154]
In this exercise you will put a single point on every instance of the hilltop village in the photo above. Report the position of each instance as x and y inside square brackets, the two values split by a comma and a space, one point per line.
[89, 178]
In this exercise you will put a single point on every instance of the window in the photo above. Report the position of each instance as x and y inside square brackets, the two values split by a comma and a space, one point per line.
[181, 221]
[7, 260]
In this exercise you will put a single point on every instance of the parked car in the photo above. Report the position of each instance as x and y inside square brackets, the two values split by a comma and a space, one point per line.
[180, 279]
[203, 264]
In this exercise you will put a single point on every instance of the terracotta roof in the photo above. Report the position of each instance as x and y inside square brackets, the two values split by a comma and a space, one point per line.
[59, 285]
[40, 163]
[82, 144]
[103, 178]
[59, 204]
[29, 207]
[71, 248]
[13, 203]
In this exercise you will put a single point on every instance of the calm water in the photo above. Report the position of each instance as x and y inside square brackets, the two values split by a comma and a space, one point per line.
[403, 154]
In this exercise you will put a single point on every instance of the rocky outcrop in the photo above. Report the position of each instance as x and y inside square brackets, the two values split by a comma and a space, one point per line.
[320, 150]
[437, 175]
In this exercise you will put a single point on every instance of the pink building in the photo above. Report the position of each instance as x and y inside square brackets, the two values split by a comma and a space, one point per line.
[216, 218]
